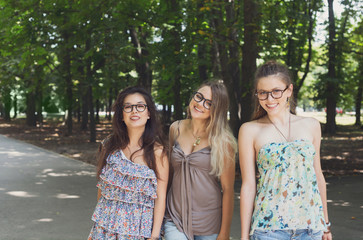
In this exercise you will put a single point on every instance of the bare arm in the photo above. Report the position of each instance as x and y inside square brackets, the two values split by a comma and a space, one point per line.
[319, 174]
[162, 166]
[248, 188]
[99, 194]
[173, 133]
[227, 183]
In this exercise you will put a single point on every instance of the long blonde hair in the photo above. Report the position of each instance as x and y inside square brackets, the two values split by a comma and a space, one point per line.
[220, 138]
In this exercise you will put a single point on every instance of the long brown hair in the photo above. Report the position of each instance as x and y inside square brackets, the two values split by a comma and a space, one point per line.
[119, 139]
[270, 68]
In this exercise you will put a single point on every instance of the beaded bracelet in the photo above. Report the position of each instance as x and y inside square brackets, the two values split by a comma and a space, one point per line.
[328, 226]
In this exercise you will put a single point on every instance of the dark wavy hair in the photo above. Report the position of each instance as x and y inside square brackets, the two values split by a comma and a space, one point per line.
[119, 139]
[270, 68]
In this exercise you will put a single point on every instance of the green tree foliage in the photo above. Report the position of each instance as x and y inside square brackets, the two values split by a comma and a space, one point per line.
[338, 83]
[75, 56]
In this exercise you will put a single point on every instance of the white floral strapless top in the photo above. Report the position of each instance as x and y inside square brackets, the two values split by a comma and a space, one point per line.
[287, 191]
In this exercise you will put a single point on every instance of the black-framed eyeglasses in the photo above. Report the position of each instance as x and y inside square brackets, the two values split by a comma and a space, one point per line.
[198, 97]
[275, 94]
[140, 107]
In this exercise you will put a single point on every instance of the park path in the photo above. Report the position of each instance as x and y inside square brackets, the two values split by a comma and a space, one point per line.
[43, 195]
[46, 196]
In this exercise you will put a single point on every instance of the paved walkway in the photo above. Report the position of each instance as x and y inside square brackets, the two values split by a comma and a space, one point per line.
[45, 196]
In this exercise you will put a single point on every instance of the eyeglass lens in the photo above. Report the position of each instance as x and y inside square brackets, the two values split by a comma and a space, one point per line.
[130, 108]
[198, 97]
[276, 94]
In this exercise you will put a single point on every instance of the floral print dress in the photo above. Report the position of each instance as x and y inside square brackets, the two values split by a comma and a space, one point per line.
[287, 196]
[125, 209]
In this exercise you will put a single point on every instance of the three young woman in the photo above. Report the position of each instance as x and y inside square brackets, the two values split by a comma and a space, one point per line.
[289, 201]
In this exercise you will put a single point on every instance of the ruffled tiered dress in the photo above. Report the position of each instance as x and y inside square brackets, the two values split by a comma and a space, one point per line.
[125, 209]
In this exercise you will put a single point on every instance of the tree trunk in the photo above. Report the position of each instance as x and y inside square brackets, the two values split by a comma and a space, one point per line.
[69, 94]
[141, 58]
[202, 67]
[66, 72]
[330, 127]
[202, 48]
[358, 101]
[234, 69]
[178, 109]
[39, 95]
[7, 103]
[299, 83]
[83, 96]
[89, 80]
[31, 119]
[92, 125]
[173, 7]
[249, 53]
[110, 98]
[15, 105]
[226, 49]
[85, 99]
[1, 110]
[215, 59]
[97, 111]
[78, 110]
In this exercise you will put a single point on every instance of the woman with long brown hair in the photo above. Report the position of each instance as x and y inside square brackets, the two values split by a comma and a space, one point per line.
[200, 200]
[289, 201]
[132, 171]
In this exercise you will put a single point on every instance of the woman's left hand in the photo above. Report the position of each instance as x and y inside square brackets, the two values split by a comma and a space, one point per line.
[223, 237]
[327, 236]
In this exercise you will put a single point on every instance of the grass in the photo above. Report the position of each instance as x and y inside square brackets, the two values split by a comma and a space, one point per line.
[341, 119]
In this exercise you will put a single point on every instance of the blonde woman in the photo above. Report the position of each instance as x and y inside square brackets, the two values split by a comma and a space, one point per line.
[200, 200]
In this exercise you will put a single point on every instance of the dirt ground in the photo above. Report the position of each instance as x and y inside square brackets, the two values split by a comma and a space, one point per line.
[341, 154]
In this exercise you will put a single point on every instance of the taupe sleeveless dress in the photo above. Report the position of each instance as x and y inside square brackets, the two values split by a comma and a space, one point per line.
[194, 201]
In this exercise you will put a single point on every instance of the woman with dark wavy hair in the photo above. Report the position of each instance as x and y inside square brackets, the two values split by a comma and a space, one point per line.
[133, 172]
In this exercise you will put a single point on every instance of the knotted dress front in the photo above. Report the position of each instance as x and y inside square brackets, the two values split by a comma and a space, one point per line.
[194, 201]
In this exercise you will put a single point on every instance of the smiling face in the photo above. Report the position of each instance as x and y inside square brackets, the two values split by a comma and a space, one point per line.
[271, 84]
[135, 118]
[197, 110]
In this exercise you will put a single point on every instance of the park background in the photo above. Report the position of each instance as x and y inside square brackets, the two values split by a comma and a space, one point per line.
[62, 64]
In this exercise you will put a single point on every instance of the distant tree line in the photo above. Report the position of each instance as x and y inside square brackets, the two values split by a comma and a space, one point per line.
[75, 56]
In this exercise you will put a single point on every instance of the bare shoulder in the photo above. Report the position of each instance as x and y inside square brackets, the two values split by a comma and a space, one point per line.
[173, 129]
[308, 122]
[160, 153]
[177, 124]
[173, 126]
[249, 127]
[159, 150]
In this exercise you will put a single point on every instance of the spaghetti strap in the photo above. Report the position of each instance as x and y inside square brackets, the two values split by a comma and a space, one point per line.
[178, 130]
[176, 135]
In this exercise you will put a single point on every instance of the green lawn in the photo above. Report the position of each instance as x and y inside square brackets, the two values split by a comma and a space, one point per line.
[341, 119]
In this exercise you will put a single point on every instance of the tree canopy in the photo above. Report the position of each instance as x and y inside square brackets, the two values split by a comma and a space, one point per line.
[75, 56]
